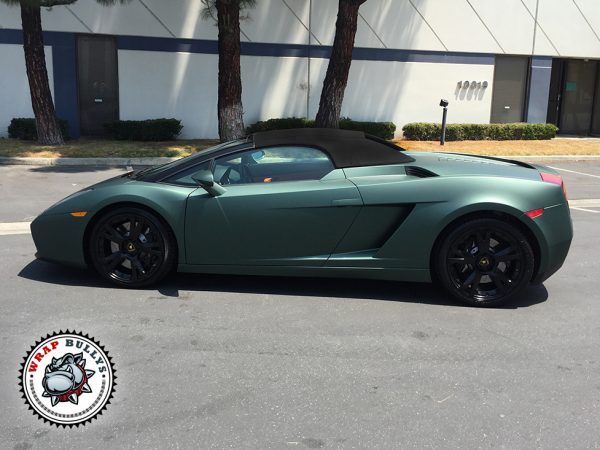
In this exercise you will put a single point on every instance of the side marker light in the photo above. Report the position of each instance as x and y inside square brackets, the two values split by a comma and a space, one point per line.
[535, 213]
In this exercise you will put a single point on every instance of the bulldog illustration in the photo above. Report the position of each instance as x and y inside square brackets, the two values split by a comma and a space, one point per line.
[66, 379]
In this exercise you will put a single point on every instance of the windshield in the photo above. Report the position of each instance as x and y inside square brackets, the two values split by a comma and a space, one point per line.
[181, 161]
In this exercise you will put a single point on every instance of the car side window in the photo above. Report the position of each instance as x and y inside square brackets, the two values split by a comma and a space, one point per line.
[185, 177]
[271, 165]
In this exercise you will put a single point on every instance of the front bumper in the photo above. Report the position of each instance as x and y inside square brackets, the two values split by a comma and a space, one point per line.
[59, 238]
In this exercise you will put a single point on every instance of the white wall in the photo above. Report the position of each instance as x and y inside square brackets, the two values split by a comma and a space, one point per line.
[568, 28]
[179, 85]
[183, 85]
[273, 87]
[15, 99]
[410, 92]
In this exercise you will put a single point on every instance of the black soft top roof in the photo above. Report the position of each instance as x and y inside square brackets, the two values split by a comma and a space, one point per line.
[346, 148]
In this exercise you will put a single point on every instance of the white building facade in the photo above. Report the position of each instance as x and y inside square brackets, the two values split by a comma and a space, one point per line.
[494, 60]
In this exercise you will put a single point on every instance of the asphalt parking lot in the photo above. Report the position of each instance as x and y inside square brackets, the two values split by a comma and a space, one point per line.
[256, 362]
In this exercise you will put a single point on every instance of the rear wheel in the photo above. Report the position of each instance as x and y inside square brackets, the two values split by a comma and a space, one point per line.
[484, 262]
[132, 247]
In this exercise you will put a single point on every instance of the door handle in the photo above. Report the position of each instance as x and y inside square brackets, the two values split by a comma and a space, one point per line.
[347, 202]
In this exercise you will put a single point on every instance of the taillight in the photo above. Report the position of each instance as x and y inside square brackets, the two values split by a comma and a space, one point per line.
[556, 179]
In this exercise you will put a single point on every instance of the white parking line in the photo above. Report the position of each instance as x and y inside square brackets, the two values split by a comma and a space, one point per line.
[574, 171]
[586, 210]
[14, 228]
[585, 202]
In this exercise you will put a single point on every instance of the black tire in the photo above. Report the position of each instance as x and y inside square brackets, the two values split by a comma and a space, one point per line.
[131, 247]
[487, 277]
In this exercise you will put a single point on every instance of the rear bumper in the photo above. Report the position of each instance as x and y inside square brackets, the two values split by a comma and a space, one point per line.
[554, 231]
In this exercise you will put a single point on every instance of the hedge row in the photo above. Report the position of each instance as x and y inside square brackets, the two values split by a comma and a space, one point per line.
[144, 130]
[422, 131]
[134, 130]
[169, 129]
[25, 129]
[384, 130]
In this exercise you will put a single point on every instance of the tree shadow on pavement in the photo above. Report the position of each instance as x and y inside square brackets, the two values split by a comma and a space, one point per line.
[425, 293]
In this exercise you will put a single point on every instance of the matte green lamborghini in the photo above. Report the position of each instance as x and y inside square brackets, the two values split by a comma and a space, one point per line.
[315, 202]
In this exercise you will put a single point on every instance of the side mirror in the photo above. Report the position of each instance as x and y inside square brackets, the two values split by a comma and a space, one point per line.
[258, 155]
[206, 181]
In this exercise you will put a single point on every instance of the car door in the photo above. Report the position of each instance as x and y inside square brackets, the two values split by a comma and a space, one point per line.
[282, 206]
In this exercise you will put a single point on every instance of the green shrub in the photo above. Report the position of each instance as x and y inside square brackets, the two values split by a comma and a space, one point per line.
[280, 124]
[143, 130]
[384, 130]
[422, 131]
[25, 129]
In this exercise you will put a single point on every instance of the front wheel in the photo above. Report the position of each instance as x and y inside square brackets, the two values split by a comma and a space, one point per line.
[484, 262]
[132, 247]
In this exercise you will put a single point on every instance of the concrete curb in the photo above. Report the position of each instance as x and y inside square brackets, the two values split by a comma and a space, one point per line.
[122, 162]
[101, 162]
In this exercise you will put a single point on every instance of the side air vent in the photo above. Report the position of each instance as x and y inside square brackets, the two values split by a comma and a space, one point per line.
[415, 171]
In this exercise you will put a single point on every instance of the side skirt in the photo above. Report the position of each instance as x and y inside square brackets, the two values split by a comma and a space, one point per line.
[392, 274]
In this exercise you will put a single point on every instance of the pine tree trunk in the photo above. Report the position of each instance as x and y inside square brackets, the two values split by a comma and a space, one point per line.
[336, 79]
[231, 120]
[48, 130]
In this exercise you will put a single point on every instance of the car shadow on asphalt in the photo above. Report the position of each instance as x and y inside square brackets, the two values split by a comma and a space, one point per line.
[171, 287]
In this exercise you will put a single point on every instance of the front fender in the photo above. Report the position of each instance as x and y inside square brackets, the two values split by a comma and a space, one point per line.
[60, 237]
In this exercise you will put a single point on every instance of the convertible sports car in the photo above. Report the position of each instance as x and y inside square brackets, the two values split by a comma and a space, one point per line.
[315, 202]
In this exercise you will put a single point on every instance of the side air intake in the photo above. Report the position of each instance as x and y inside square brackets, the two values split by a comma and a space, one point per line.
[415, 171]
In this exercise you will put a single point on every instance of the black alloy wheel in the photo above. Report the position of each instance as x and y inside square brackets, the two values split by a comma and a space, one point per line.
[484, 262]
[131, 247]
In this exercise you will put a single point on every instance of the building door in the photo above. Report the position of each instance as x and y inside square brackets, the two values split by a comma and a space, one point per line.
[98, 83]
[595, 128]
[510, 87]
[578, 87]
[555, 94]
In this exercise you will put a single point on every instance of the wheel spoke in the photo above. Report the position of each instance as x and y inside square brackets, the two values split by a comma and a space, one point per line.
[460, 256]
[457, 259]
[500, 280]
[137, 269]
[476, 282]
[507, 254]
[113, 260]
[483, 241]
[112, 235]
[137, 229]
[468, 281]
[134, 272]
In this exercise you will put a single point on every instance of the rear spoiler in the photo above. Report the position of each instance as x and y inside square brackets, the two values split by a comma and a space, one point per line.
[511, 161]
